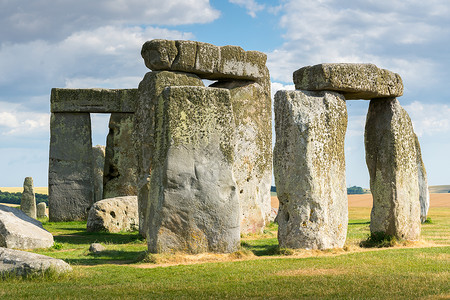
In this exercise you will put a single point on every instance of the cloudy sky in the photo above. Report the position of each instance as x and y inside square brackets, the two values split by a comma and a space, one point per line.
[84, 43]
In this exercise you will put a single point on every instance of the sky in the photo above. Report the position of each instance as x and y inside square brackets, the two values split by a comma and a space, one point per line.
[86, 44]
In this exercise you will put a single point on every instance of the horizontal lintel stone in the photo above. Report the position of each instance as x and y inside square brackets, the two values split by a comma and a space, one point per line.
[93, 100]
[205, 60]
[353, 80]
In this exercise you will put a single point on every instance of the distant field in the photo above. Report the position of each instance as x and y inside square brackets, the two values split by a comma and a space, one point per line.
[39, 190]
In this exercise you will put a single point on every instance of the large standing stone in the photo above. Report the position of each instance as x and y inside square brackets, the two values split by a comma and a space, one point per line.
[149, 90]
[21, 263]
[424, 194]
[114, 215]
[193, 204]
[41, 211]
[70, 167]
[355, 81]
[120, 173]
[28, 200]
[205, 60]
[17, 230]
[309, 167]
[98, 165]
[391, 158]
[252, 166]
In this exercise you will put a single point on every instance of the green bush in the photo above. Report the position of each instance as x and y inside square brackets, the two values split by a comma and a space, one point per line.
[14, 198]
[379, 240]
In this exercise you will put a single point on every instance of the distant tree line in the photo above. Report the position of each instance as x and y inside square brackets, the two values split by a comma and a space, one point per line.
[14, 198]
[355, 190]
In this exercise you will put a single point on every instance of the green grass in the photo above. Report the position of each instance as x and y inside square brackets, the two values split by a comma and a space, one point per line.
[265, 271]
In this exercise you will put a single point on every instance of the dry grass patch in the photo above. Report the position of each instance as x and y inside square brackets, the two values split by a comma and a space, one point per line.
[313, 272]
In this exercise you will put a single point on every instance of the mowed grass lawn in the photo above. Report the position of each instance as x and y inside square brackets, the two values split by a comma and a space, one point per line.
[259, 270]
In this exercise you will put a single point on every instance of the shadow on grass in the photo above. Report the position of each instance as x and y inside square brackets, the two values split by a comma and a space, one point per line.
[99, 237]
[358, 223]
[260, 249]
[116, 257]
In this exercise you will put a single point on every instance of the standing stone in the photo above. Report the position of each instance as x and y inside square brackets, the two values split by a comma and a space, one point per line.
[193, 204]
[150, 89]
[309, 168]
[70, 186]
[42, 210]
[391, 158]
[424, 194]
[98, 165]
[252, 166]
[28, 201]
[119, 177]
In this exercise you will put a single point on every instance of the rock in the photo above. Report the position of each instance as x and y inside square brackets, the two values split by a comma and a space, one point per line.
[424, 194]
[114, 215]
[96, 248]
[120, 171]
[391, 158]
[252, 166]
[70, 182]
[93, 100]
[309, 168]
[193, 203]
[17, 230]
[355, 81]
[150, 89]
[41, 211]
[21, 263]
[28, 200]
[98, 165]
[205, 60]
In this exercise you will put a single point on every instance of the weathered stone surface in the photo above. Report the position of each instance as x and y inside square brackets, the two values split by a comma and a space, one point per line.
[120, 173]
[98, 165]
[96, 248]
[424, 194]
[193, 203]
[114, 215]
[355, 81]
[28, 200]
[252, 166]
[149, 90]
[41, 211]
[17, 230]
[70, 176]
[21, 263]
[205, 60]
[309, 168]
[391, 158]
[93, 100]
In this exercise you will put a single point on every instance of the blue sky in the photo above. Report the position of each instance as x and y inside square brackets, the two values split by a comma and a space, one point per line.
[83, 44]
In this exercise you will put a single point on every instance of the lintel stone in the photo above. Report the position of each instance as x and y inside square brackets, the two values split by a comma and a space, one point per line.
[93, 100]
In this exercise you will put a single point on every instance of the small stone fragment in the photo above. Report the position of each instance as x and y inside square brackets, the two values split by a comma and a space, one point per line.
[96, 248]
[28, 200]
[309, 168]
[391, 158]
[114, 215]
[354, 81]
[98, 165]
[42, 210]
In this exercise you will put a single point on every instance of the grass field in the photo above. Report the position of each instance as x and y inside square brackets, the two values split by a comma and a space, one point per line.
[258, 270]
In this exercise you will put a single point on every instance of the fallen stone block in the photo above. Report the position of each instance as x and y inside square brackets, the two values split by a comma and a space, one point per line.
[21, 263]
[114, 215]
[354, 81]
[17, 230]
[96, 248]
[309, 169]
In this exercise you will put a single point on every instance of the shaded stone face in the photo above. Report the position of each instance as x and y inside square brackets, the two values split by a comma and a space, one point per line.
[98, 164]
[120, 170]
[28, 200]
[252, 166]
[391, 158]
[149, 90]
[193, 204]
[354, 81]
[205, 60]
[70, 179]
[424, 194]
[309, 168]
[114, 215]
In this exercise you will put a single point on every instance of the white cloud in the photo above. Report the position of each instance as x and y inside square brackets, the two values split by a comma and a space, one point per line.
[23, 20]
[251, 5]
[16, 121]
[429, 119]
